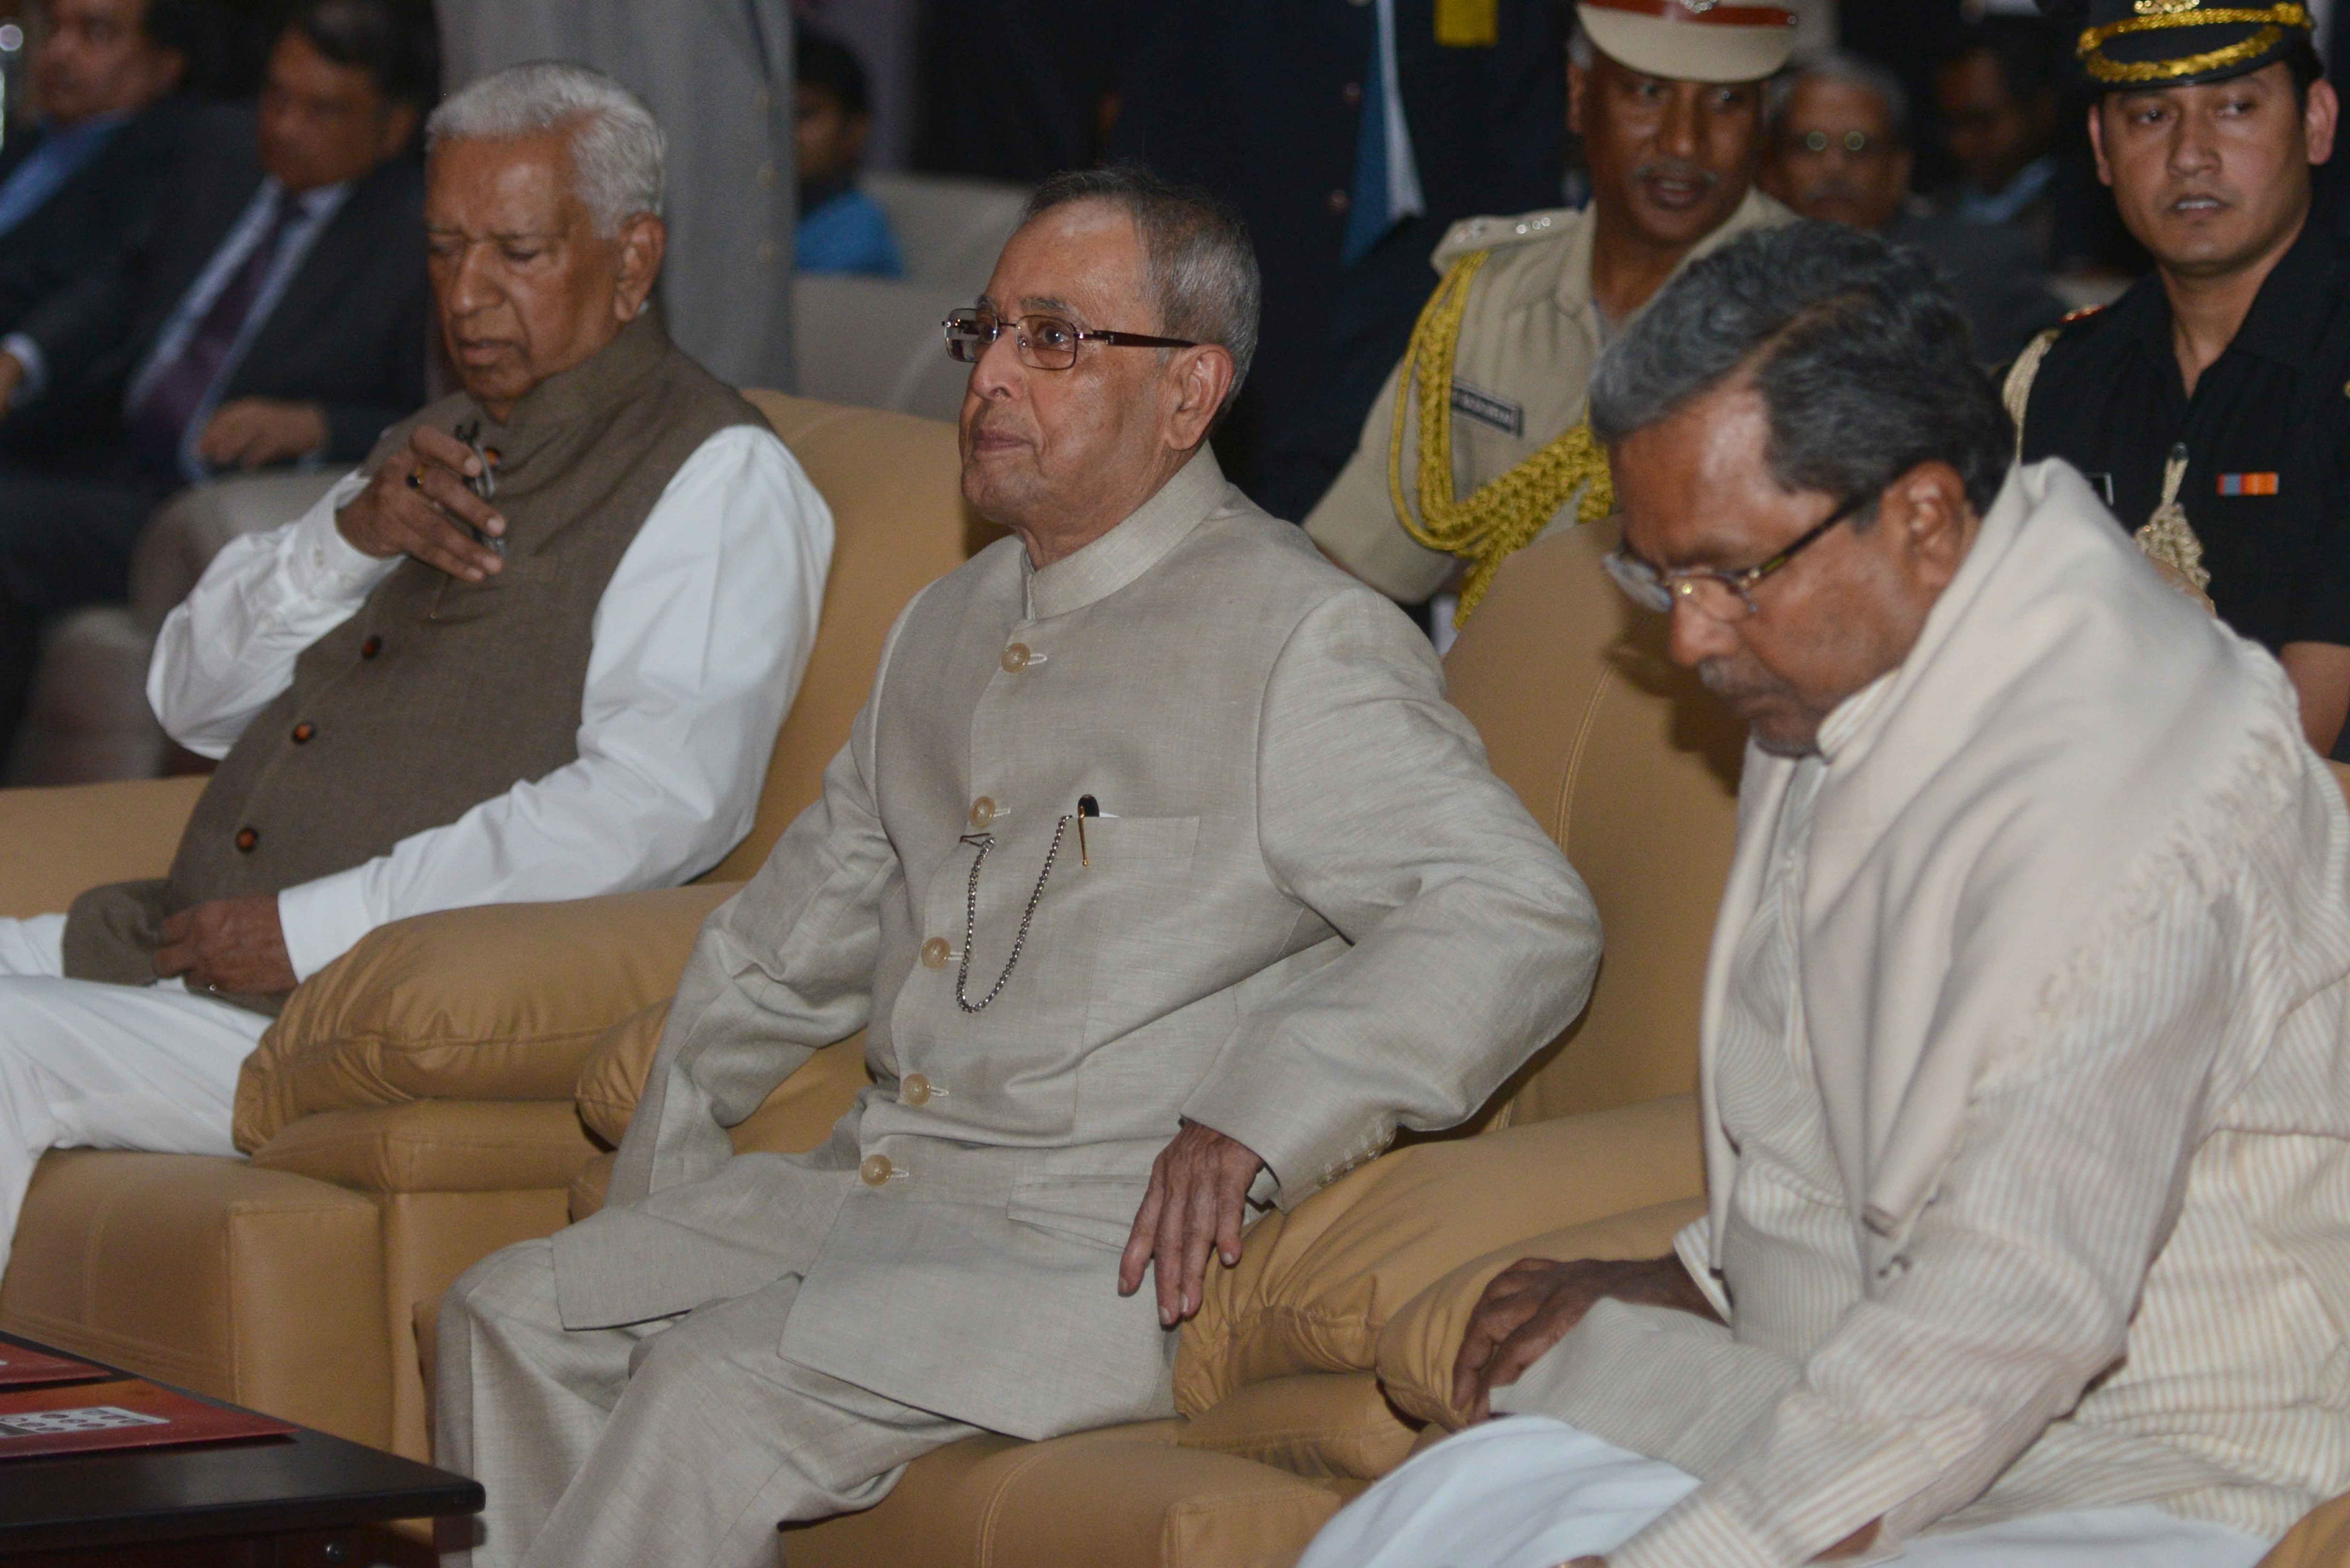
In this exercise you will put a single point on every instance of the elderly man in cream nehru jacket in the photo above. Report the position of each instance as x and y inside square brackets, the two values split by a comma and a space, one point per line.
[2026, 1044]
[1161, 878]
[536, 648]
[1478, 442]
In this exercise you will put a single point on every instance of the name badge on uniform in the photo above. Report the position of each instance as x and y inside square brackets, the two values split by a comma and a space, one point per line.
[1468, 23]
[1507, 418]
[2248, 484]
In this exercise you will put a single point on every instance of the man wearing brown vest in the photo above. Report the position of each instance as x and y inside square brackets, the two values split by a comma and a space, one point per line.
[536, 648]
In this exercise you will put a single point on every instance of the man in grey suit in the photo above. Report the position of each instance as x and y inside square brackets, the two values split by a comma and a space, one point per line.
[1162, 879]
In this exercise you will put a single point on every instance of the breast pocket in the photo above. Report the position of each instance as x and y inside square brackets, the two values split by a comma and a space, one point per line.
[1114, 843]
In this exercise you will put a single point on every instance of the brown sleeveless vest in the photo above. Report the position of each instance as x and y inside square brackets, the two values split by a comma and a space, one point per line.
[439, 694]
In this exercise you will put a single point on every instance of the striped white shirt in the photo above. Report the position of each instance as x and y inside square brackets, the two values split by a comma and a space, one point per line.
[2133, 1284]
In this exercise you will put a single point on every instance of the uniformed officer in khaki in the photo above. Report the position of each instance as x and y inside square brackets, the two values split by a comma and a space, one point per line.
[1478, 444]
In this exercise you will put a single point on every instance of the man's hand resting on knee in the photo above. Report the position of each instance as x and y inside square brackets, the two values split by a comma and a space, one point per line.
[230, 944]
[1531, 1304]
[1197, 1195]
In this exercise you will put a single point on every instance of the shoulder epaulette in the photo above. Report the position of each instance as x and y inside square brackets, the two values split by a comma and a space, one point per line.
[2083, 313]
[1470, 235]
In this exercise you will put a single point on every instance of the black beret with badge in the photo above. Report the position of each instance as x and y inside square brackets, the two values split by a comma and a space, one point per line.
[2126, 44]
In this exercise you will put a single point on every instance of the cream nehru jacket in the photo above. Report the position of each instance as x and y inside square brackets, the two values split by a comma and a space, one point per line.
[1309, 914]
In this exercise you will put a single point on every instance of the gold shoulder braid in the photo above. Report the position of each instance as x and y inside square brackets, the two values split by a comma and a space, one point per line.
[1506, 512]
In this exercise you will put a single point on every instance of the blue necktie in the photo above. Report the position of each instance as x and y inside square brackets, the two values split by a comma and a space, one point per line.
[159, 422]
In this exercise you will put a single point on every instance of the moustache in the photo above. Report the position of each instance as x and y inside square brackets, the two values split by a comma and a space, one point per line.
[1726, 681]
[1832, 191]
[1677, 169]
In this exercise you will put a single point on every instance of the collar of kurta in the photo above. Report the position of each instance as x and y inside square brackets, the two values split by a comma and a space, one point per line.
[1133, 547]
[2069, 736]
[609, 376]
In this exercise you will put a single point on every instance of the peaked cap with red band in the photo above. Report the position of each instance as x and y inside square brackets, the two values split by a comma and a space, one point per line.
[1691, 40]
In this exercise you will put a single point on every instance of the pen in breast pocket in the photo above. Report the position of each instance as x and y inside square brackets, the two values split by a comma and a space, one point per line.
[1087, 807]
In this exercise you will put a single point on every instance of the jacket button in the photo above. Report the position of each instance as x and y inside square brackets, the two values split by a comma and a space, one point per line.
[935, 953]
[915, 1090]
[1016, 658]
[1351, 94]
[1338, 202]
[371, 647]
[983, 811]
[876, 1169]
[246, 837]
[303, 731]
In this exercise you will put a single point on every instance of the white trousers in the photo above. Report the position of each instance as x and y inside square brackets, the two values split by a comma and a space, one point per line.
[86, 1066]
[1527, 1491]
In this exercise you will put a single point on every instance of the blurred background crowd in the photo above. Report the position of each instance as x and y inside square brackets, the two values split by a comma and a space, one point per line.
[211, 259]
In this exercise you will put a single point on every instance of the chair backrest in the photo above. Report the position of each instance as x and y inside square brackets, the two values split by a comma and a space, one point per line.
[895, 486]
[1632, 768]
[874, 343]
[946, 228]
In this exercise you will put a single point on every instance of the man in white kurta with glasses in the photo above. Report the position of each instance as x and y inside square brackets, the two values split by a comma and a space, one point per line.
[2026, 1094]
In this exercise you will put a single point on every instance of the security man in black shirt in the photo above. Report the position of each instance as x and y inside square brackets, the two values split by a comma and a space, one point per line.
[2215, 395]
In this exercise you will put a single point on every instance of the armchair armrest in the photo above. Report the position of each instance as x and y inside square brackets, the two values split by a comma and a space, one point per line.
[498, 1002]
[437, 1146]
[64, 842]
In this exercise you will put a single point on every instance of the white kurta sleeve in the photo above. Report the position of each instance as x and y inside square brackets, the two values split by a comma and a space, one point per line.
[228, 650]
[701, 639]
[2018, 1283]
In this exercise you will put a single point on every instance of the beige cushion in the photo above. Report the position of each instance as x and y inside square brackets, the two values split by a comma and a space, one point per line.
[798, 1115]
[1416, 1348]
[498, 1002]
[1124, 1497]
[1325, 1425]
[63, 842]
[1315, 1286]
[895, 486]
[2320, 1541]
[437, 1146]
[1632, 767]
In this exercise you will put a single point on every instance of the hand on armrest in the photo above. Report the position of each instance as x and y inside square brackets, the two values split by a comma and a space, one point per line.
[1533, 1304]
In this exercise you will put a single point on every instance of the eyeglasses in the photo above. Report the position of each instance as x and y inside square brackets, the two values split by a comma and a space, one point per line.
[1717, 594]
[1858, 143]
[1044, 342]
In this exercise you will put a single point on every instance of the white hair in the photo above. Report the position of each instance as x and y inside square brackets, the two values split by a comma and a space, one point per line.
[617, 146]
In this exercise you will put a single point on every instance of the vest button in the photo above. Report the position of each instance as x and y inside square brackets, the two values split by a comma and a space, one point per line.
[914, 1091]
[874, 1171]
[371, 647]
[1016, 658]
[935, 953]
[246, 837]
[303, 731]
[983, 811]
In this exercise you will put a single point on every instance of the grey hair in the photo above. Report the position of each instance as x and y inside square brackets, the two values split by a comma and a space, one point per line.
[1839, 65]
[1864, 362]
[617, 146]
[1580, 50]
[1198, 261]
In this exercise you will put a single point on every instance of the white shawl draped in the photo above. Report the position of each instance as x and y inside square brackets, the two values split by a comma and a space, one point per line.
[2068, 723]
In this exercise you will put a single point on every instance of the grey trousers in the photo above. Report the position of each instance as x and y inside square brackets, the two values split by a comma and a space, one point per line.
[682, 1442]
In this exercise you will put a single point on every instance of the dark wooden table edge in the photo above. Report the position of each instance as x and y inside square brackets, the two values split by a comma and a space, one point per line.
[458, 1498]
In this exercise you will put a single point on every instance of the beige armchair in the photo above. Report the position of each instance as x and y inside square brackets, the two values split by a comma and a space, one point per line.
[431, 1095]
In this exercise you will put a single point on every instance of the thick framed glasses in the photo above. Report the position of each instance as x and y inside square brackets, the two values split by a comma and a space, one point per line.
[1717, 595]
[1044, 342]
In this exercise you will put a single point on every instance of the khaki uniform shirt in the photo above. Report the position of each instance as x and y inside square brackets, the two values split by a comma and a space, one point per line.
[1521, 378]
